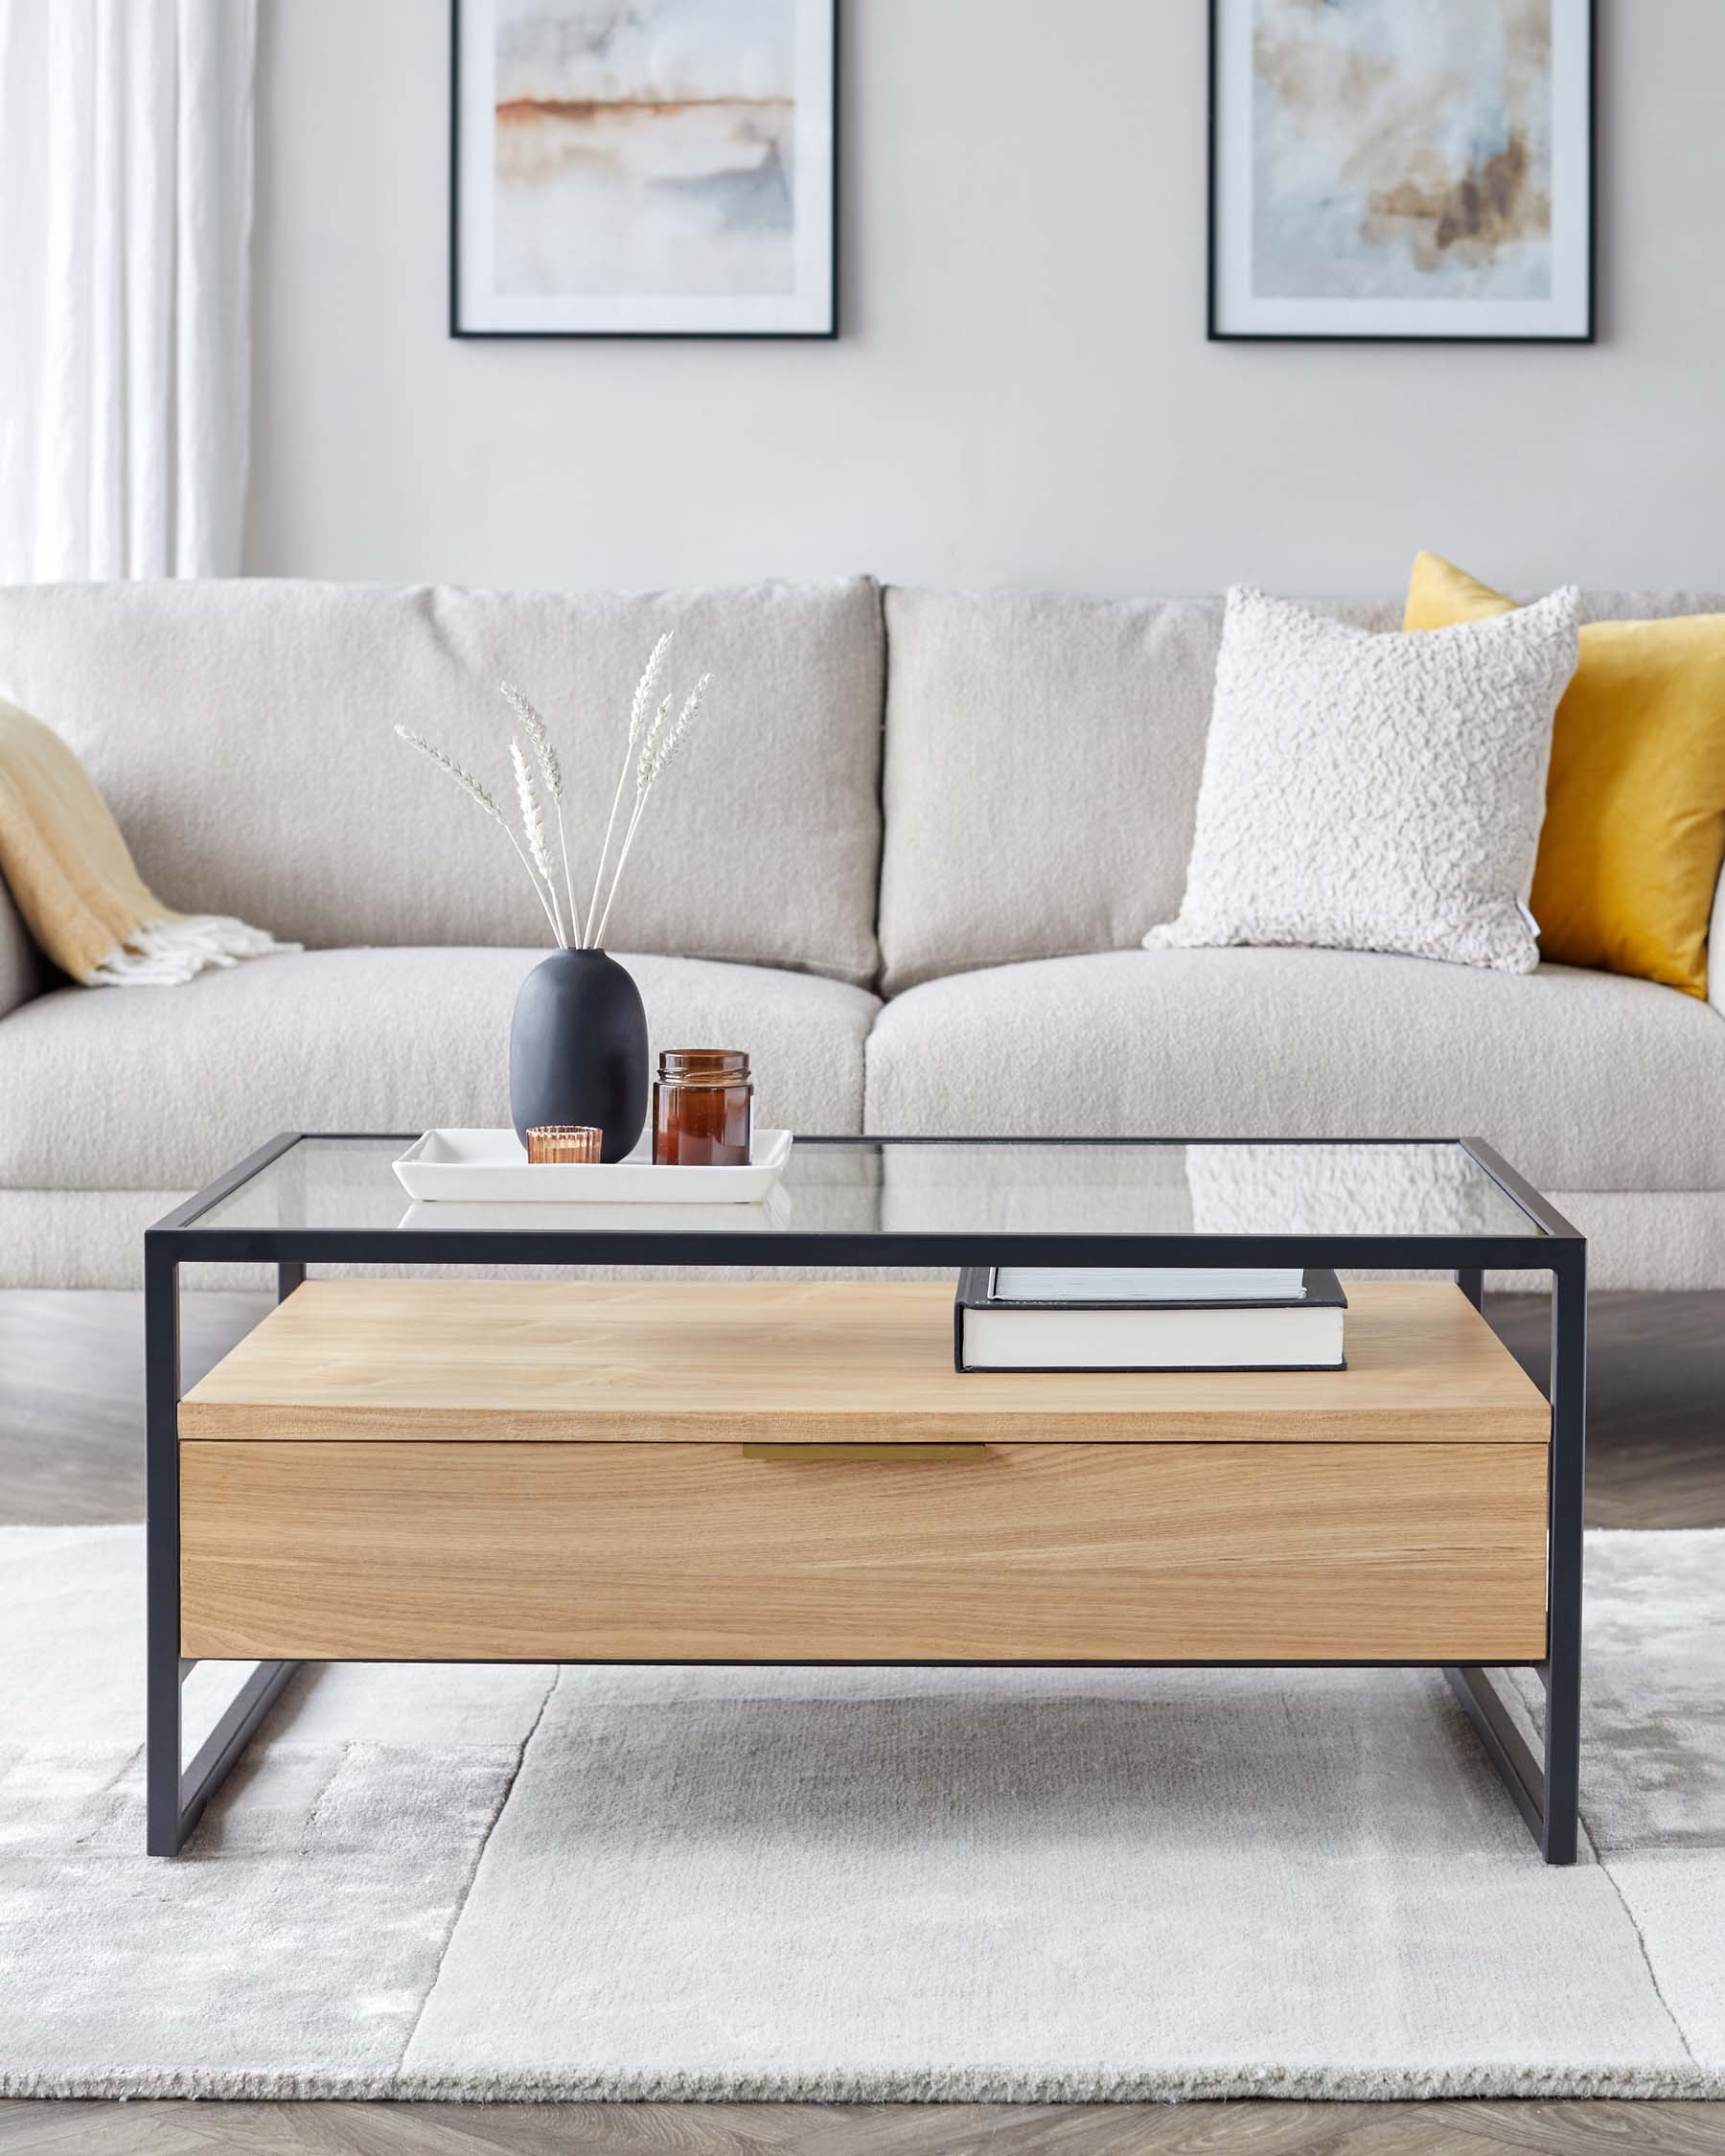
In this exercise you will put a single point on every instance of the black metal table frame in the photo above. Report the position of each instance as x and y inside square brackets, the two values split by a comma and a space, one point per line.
[1546, 1792]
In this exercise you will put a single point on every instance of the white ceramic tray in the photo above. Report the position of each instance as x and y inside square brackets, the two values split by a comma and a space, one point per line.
[772, 1213]
[492, 1168]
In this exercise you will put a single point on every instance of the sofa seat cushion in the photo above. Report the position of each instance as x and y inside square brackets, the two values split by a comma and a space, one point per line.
[162, 1088]
[1583, 1081]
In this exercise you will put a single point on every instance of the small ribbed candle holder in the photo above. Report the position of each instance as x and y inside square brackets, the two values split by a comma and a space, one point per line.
[563, 1144]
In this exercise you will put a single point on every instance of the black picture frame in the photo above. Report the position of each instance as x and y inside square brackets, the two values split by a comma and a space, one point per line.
[458, 331]
[1214, 333]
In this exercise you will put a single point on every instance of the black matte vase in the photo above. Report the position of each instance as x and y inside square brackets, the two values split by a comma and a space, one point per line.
[578, 1049]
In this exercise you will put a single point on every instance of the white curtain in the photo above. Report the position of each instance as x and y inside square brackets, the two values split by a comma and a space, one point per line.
[126, 207]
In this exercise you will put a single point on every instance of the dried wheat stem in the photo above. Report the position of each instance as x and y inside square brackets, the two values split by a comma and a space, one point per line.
[635, 824]
[638, 709]
[642, 702]
[591, 938]
[563, 847]
[533, 824]
[653, 744]
[556, 927]
[650, 741]
[668, 747]
[477, 794]
[657, 752]
[464, 779]
[545, 749]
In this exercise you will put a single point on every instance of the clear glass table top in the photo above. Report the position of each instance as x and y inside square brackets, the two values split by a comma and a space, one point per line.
[866, 1187]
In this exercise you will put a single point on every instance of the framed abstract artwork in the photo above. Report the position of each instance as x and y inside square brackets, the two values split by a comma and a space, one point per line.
[1402, 169]
[643, 168]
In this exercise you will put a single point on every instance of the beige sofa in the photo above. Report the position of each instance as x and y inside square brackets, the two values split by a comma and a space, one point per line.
[907, 864]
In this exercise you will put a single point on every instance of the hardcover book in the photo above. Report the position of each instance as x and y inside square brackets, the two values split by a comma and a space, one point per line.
[1061, 1318]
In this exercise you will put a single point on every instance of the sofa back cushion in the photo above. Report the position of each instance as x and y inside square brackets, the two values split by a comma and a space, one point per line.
[1043, 760]
[242, 734]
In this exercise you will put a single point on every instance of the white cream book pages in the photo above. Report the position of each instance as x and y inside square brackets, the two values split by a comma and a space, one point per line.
[1044, 1318]
[1149, 1283]
[492, 1168]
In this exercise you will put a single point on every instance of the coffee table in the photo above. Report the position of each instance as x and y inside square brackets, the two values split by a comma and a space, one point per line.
[756, 1471]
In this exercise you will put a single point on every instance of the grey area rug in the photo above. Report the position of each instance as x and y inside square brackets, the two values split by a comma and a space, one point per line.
[870, 1884]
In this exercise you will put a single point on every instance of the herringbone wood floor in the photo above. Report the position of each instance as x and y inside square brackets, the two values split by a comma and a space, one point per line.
[70, 1450]
[907, 2129]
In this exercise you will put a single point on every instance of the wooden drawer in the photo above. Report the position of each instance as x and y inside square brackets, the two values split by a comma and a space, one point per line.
[435, 1551]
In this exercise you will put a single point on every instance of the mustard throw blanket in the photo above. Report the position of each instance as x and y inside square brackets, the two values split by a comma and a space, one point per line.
[71, 876]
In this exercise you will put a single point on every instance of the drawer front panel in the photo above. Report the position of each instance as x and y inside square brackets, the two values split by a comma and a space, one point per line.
[1285, 1553]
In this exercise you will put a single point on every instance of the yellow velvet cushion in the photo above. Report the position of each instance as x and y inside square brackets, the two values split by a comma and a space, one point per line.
[1635, 805]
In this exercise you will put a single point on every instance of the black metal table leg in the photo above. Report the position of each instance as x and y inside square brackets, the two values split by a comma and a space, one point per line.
[175, 1799]
[1472, 1283]
[1569, 1469]
[1548, 1797]
[1505, 1744]
[161, 1478]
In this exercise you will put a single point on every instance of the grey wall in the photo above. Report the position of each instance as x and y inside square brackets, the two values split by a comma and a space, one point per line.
[1023, 393]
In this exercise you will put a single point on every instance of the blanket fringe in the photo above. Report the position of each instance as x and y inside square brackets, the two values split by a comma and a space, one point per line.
[168, 953]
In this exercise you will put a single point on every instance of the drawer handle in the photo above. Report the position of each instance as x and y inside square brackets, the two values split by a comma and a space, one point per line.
[787, 1455]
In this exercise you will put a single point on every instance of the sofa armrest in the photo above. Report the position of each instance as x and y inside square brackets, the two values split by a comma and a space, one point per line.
[22, 971]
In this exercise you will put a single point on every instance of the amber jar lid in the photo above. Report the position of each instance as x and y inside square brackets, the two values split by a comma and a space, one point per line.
[703, 1066]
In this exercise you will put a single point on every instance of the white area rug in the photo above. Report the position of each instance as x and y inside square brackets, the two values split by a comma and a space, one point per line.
[875, 1884]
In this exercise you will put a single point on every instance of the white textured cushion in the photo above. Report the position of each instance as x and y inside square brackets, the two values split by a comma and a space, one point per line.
[242, 733]
[160, 1088]
[1583, 1081]
[1375, 792]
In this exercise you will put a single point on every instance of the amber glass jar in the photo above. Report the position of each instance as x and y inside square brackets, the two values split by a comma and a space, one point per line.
[703, 1109]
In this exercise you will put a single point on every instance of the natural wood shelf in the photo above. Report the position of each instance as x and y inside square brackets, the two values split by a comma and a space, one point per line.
[814, 1362]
